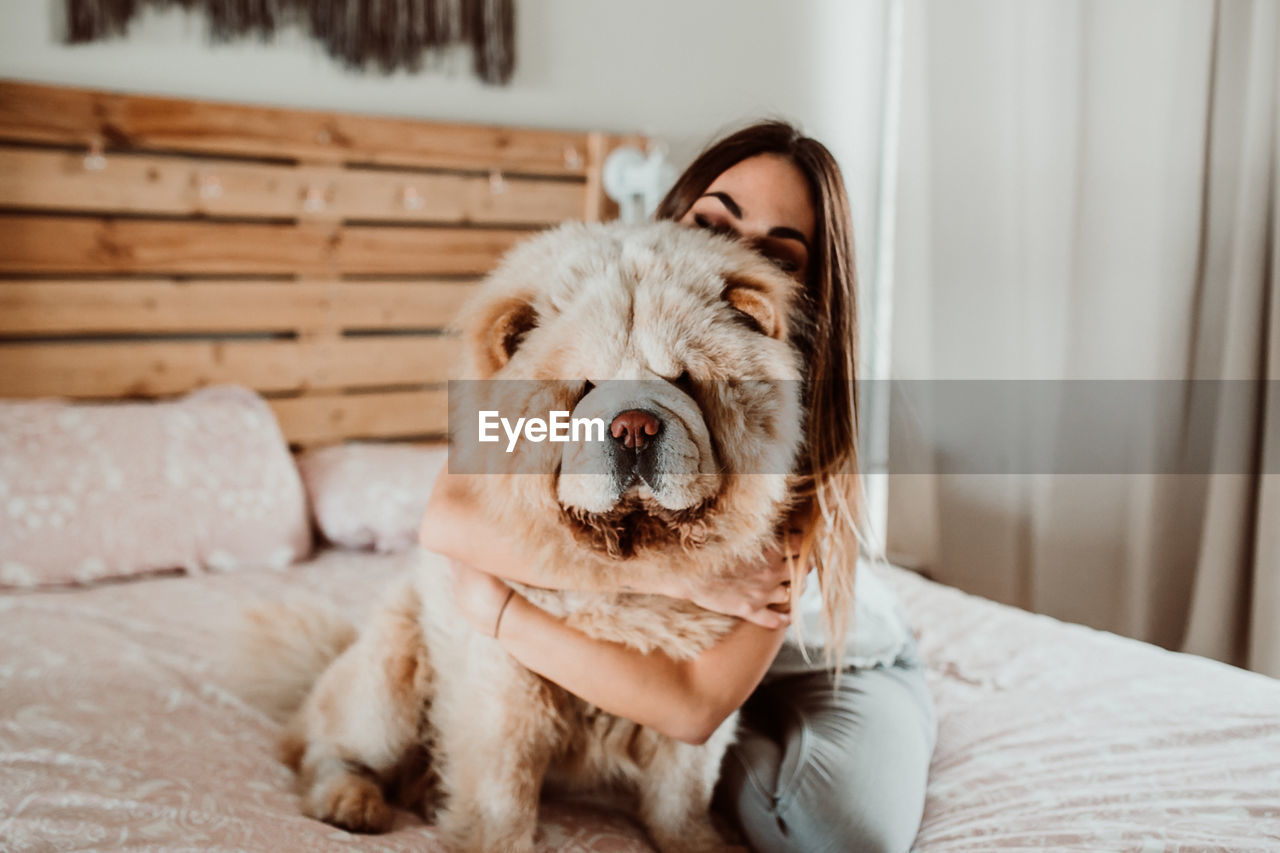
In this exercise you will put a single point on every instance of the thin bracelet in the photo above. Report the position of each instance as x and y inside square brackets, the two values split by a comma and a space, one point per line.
[503, 609]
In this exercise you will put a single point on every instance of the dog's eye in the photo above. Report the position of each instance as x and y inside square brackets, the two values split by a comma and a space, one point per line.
[685, 383]
[587, 387]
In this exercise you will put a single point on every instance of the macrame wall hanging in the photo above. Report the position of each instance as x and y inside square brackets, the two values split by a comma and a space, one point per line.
[389, 35]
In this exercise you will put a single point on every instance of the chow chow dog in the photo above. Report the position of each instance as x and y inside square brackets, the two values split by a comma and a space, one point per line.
[681, 342]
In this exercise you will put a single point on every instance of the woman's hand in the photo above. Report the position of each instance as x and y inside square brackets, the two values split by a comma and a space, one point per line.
[759, 591]
[480, 597]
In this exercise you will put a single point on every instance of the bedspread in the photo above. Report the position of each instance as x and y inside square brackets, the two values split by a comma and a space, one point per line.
[1058, 736]
[118, 728]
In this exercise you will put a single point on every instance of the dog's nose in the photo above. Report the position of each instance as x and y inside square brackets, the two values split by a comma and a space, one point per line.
[634, 428]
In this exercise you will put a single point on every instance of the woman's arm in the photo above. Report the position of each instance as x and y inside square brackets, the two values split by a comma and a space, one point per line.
[685, 700]
[455, 528]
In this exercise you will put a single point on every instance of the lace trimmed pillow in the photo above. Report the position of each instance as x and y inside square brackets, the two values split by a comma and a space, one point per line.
[107, 490]
[371, 496]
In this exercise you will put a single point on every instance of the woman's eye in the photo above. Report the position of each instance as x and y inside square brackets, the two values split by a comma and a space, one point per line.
[715, 227]
[787, 265]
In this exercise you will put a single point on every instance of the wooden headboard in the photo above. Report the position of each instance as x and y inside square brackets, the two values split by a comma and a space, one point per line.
[149, 246]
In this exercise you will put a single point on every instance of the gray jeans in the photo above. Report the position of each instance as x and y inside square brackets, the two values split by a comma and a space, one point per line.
[844, 769]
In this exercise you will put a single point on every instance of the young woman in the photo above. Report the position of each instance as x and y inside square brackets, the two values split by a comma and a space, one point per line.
[820, 764]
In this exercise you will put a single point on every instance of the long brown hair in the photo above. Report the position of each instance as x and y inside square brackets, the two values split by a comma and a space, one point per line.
[829, 491]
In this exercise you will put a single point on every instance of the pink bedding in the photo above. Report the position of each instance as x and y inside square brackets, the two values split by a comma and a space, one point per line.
[117, 729]
[1057, 736]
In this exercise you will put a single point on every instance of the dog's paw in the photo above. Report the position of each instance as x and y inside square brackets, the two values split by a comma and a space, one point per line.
[355, 804]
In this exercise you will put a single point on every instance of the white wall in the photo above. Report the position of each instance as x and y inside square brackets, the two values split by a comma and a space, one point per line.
[677, 69]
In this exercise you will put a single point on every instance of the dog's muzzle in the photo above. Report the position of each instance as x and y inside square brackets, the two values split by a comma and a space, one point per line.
[637, 447]
[657, 446]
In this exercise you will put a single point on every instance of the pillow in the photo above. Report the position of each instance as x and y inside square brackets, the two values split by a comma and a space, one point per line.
[371, 495]
[106, 490]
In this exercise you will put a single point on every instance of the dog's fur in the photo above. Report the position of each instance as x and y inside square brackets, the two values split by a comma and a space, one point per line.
[422, 709]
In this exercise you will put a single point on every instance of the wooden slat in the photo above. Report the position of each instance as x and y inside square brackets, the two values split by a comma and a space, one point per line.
[115, 306]
[51, 114]
[158, 368]
[373, 250]
[88, 245]
[37, 244]
[42, 179]
[145, 369]
[399, 304]
[372, 361]
[319, 419]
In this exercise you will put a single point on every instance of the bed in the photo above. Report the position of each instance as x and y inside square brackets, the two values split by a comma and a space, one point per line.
[153, 246]
[119, 728]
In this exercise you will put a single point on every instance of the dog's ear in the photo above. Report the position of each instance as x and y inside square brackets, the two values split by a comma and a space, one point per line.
[500, 330]
[759, 302]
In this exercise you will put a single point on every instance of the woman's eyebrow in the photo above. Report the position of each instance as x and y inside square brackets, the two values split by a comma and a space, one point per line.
[728, 202]
[785, 233]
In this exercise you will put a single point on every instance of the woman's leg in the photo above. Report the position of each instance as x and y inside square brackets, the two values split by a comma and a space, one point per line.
[844, 769]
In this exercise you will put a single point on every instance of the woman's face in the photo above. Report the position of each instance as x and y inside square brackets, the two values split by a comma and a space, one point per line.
[765, 202]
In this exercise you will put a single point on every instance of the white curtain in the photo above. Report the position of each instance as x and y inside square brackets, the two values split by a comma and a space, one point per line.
[1088, 191]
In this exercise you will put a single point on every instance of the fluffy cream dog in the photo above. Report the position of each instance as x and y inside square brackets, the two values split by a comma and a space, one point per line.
[681, 342]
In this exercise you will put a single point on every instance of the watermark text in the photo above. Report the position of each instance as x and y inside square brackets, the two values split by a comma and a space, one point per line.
[557, 427]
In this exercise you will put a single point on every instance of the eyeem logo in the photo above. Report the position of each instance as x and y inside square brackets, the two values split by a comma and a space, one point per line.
[559, 427]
